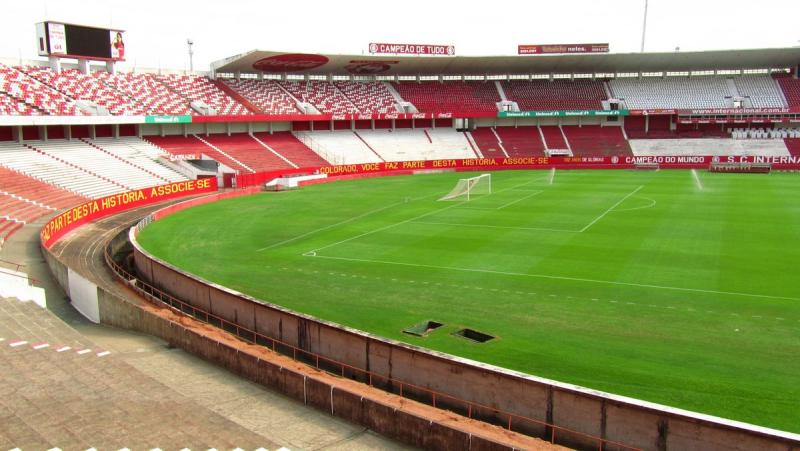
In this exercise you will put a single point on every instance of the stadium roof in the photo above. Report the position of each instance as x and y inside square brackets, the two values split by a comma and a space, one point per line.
[258, 61]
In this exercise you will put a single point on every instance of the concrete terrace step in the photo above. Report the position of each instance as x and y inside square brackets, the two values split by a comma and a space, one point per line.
[81, 399]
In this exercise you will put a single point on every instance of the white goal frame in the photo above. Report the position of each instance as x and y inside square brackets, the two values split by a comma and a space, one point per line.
[481, 184]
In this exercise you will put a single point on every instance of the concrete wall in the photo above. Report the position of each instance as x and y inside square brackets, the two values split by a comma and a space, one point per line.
[619, 419]
[388, 420]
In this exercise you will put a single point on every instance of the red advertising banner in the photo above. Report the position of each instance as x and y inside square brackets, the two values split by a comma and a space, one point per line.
[412, 49]
[544, 49]
[613, 162]
[738, 111]
[109, 205]
[652, 112]
[499, 164]
[345, 117]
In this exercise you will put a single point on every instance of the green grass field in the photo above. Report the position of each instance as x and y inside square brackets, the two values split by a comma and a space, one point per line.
[636, 283]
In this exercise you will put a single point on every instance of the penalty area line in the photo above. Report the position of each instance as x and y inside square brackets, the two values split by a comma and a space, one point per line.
[552, 277]
[535, 193]
[321, 229]
[603, 215]
[424, 215]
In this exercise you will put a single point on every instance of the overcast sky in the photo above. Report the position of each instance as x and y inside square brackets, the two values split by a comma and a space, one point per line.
[156, 31]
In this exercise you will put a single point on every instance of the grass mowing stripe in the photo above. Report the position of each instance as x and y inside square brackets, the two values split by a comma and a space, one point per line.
[733, 358]
[548, 276]
[322, 229]
[603, 215]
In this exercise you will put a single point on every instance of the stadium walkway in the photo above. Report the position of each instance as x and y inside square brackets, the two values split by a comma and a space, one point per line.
[137, 396]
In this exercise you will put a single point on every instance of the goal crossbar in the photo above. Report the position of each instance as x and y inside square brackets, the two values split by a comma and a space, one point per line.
[465, 188]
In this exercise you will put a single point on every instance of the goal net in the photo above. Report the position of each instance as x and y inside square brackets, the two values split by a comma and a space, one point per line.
[465, 188]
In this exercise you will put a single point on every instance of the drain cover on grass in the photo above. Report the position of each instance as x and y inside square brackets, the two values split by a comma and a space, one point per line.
[473, 335]
[422, 329]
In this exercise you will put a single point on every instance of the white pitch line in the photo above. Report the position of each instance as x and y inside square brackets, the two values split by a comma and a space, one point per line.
[651, 205]
[496, 226]
[380, 229]
[552, 277]
[519, 200]
[313, 252]
[280, 243]
[612, 207]
[342, 222]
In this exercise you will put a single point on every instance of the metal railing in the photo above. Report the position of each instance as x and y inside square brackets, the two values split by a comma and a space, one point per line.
[512, 422]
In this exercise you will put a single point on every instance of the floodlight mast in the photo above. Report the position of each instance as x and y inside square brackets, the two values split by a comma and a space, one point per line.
[644, 24]
[190, 43]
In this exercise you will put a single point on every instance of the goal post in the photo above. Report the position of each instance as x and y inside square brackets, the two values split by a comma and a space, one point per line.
[465, 188]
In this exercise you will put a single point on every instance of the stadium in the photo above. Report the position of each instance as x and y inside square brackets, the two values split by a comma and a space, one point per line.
[569, 247]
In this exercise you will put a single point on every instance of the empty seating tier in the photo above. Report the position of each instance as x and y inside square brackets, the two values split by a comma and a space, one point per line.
[35, 94]
[418, 144]
[266, 95]
[339, 147]
[593, 140]
[141, 154]
[199, 89]
[56, 171]
[248, 151]
[195, 147]
[521, 141]
[369, 98]
[94, 160]
[461, 96]
[763, 92]
[290, 148]
[82, 87]
[153, 95]
[553, 139]
[708, 147]
[487, 142]
[672, 92]
[324, 96]
[791, 89]
[19, 184]
[543, 95]
[793, 145]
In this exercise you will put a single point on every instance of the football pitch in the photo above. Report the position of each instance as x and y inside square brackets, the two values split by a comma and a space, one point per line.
[675, 287]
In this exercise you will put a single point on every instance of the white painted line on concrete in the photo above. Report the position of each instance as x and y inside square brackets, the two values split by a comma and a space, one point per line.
[14, 344]
[84, 351]
[63, 348]
[103, 354]
[41, 346]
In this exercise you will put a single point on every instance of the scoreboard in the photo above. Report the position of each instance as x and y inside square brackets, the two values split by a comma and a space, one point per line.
[79, 41]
